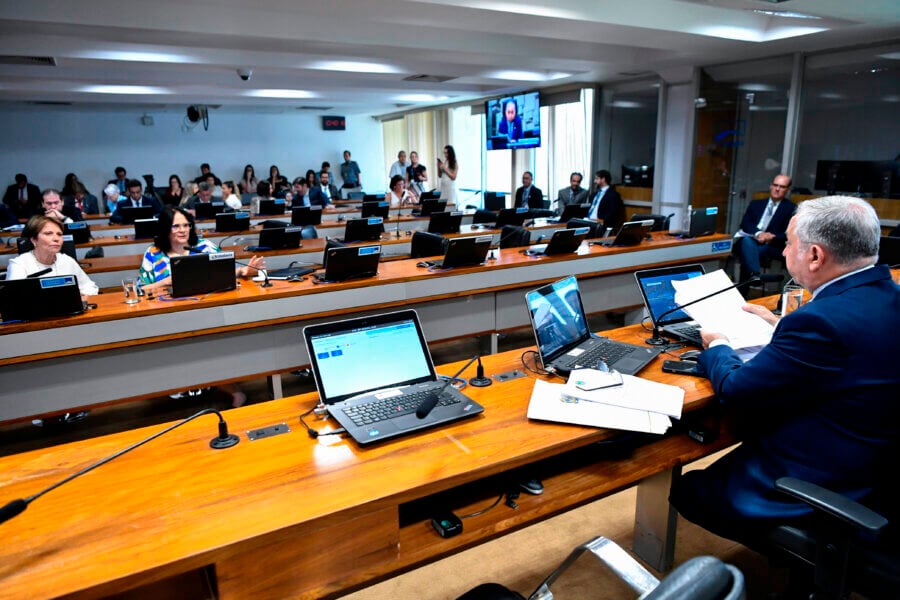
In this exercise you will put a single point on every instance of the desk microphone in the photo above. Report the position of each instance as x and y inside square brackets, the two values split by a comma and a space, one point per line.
[480, 380]
[431, 401]
[39, 273]
[266, 283]
[658, 340]
[223, 440]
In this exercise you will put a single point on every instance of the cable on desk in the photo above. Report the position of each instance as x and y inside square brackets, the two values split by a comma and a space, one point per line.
[315, 434]
[484, 510]
[458, 383]
[535, 369]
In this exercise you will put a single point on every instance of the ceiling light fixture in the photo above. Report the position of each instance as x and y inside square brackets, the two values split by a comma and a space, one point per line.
[419, 98]
[135, 56]
[279, 93]
[786, 14]
[122, 89]
[511, 75]
[354, 66]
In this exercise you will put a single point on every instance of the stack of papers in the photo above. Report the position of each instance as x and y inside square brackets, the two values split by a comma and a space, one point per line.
[596, 399]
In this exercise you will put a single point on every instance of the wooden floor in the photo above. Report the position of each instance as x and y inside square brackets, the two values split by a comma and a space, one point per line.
[519, 560]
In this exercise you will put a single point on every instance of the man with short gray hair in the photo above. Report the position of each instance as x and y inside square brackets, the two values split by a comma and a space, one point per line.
[819, 402]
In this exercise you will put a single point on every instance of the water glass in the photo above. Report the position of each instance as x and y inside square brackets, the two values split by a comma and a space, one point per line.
[791, 298]
[130, 286]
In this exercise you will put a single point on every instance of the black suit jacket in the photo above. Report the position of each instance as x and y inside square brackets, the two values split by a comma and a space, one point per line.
[779, 223]
[611, 209]
[31, 207]
[116, 217]
[535, 197]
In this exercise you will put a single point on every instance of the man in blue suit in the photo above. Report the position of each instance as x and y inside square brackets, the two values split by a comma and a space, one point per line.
[763, 227]
[135, 197]
[819, 402]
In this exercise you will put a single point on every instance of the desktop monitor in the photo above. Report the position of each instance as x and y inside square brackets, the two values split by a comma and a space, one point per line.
[200, 274]
[145, 229]
[432, 195]
[277, 238]
[431, 206]
[208, 210]
[513, 122]
[372, 198]
[131, 213]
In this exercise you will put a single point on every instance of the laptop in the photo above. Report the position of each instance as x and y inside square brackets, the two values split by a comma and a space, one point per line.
[429, 207]
[200, 274]
[350, 262]
[79, 230]
[631, 233]
[512, 216]
[889, 251]
[363, 230]
[234, 221]
[563, 241]
[306, 215]
[277, 238]
[208, 210]
[145, 229]
[432, 195]
[372, 198]
[272, 206]
[563, 339]
[378, 208]
[494, 201]
[40, 298]
[289, 273]
[445, 222]
[132, 213]
[703, 221]
[464, 252]
[574, 211]
[374, 393]
[659, 297]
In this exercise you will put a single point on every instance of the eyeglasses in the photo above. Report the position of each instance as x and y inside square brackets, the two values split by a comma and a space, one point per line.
[181, 226]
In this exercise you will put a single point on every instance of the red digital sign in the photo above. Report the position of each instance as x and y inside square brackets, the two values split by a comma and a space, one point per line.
[333, 123]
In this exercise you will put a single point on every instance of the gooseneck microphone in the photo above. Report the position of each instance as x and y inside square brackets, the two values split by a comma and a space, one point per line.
[431, 401]
[39, 273]
[266, 283]
[659, 340]
[223, 440]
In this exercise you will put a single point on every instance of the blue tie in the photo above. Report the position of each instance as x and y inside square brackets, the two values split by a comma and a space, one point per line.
[592, 214]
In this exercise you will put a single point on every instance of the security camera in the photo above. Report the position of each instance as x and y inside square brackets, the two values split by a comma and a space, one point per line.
[245, 74]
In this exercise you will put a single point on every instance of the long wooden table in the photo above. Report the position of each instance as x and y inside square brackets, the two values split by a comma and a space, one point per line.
[289, 516]
[120, 351]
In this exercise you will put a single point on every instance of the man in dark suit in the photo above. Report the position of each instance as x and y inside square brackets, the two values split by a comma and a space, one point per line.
[82, 200]
[606, 203]
[529, 196]
[23, 198]
[135, 197]
[325, 193]
[574, 194]
[511, 125]
[53, 206]
[819, 402]
[763, 227]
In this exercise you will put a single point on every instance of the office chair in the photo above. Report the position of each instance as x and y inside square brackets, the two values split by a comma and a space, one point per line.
[309, 232]
[660, 222]
[427, 244]
[514, 236]
[847, 548]
[595, 227]
[700, 578]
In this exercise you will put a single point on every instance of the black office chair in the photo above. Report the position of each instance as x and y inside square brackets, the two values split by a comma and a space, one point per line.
[660, 222]
[847, 548]
[309, 232]
[427, 244]
[484, 216]
[514, 236]
[595, 228]
[700, 578]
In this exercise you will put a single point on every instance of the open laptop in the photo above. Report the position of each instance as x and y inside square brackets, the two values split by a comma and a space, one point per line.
[208, 210]
[378, 208]
[563, 339]
[131, 213]
[145, 229]
[464, 252]
[363, 230]
[659, 297]
[372, 198]
[494, 201]
[350, 262]
[573, 211]
[272, 206]
[430, 195]
[512, 216]
[306, 215]
[445, 222]
[40, 298]
[563, 241]
[631, 233]
[277, 238]
[200, 274]
[234, 221]
[373, 372]
[430, 206]
[79, 230]
[703, 221]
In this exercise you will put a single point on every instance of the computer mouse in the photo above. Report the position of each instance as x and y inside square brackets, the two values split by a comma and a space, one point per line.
[422, 264]
[692, 355]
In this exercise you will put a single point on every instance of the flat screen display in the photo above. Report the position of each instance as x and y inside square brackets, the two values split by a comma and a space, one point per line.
[513, 122]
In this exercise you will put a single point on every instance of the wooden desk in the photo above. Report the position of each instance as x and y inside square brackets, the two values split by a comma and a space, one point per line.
[293, 517]
[156, 347]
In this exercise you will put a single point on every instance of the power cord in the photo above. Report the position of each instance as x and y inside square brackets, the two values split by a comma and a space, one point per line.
[313, 434]
[534, 367]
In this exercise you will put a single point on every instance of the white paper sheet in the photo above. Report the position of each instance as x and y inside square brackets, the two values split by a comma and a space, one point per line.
[634, 393]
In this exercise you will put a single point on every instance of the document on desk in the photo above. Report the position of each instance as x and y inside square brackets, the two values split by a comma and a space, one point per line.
[552, 402]
[723, 312]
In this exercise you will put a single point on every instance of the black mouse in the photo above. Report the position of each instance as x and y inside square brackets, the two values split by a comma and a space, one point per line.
[691, 355]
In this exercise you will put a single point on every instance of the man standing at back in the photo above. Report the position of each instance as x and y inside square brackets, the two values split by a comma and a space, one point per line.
[400, 165]
[762, 232]
[819, 402]
[574, 194]
[350, 173]
[529, 196]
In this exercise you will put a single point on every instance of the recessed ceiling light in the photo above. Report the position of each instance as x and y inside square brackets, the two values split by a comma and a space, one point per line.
[279, 93]
[831, 96]
[511, 75]
[135, 56]
[122, 89]
[419, 98]
[354, 66]
[786, 14]
[626, 104]
[757, 87]
[891, 56]
[746, 34]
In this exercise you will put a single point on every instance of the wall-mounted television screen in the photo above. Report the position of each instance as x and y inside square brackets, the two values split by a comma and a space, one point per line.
[513, 122]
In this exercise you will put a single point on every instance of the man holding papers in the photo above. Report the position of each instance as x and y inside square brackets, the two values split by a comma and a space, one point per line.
[819, 401]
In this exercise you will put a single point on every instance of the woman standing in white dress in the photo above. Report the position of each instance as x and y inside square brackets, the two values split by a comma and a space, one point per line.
[447, 171]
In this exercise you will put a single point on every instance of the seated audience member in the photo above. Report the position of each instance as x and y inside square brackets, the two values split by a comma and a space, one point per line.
[83, 200]
[121, 180]
[398, 195]
[205, 172]
[68, 188]
[215, 187]
[606, 203]
[277, 182]
[325, 193]
[762, 232]
[7, 217]
[299, 194]
[819, 402]
[231, 199]
[416, 175]
[23, 198]
[46, 234]
[529, 196]
[135, 198]
[204, 195]
[263, 192]
[175, 194]
[511, 125]
[574, 194]
[311, 179]
[248, 181]
[111, 197]
[350, 173]
[54, 207]
[326, 168]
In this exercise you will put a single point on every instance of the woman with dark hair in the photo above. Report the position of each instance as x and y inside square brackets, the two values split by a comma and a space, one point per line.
[448, 169]
[231, 199]
[311, 178]
[69, 185]
[46, 234]
[248, 180]
[263, 192]
[175, 193]
[278, 182]
[398, 195]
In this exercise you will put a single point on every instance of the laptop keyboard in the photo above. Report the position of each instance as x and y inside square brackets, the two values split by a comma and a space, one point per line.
[389, 408]
[608, 351]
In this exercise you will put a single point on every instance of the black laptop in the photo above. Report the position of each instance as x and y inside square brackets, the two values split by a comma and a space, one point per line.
[200, 274]
[378, 208]
[563, 241]
[145, 229]
[306, 215]
[40, 298]
[494, 201]
[563, 339]
[432, 195]
[131, 213]
[374, 393]
[363, 230]
[272, 206]
[631, 233]
[350, 262]
[372, 198]
[278, 238]
[889, 251]
[79, 230]
[512, 216]
[659, 297]
[464, 252]
[208, 210]
[574, 211]
[429, 207]
[233, 221]
[703, 221]
[445, 222]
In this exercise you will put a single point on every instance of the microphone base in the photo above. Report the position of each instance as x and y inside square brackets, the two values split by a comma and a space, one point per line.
[220, 443]
[480, 381]
[657, 340]
[266, 283]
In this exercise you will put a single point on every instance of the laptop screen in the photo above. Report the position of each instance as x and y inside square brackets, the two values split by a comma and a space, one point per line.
[659, 295]
[351, 357]
[557, 317]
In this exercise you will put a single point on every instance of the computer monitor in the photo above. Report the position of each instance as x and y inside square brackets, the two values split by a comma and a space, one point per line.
[377, 208]
[372, 198]
[277, 238]
[431, 206]
[512, 216]
[236, 221]
[466, 251]
[131, 213]
[306, 215]
[703, 221]
[79, 230]
[445, 222]
[350, 262]
[208, 210]
[272, 206]
[145, 229]
[363, 230]
[574, 211]
[432, 195]
[494, 201]
[200, 274]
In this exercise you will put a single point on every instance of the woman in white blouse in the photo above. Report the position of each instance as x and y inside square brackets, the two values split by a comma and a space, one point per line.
[398, 194]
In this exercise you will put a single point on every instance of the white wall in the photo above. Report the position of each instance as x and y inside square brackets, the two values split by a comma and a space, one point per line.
[46, 144]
